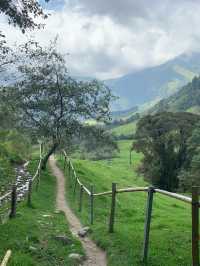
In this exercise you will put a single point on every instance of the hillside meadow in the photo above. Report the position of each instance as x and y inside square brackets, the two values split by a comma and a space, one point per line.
[126, 129]
[170, 236]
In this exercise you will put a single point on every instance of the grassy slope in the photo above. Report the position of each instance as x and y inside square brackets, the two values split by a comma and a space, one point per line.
[126, 129]
[32, 228]
[170, 238]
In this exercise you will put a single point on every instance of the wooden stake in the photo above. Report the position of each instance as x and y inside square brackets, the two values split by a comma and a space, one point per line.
[195, 226]
[112, 211]
[29, 193]
[65, 163]
[147, 223]
[13, 202]
[38, 180]
[75, 186]
[130, 157]
[6, 258]
[69, 174]
[91, 204]
[69, 169]
[81, 198]
[41, 149]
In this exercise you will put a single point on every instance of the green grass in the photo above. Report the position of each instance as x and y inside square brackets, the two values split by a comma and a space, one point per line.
[126, 129]
[31, 235]
[170, 237]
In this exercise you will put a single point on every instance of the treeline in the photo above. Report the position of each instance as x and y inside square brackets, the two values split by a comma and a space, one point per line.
[121, 122]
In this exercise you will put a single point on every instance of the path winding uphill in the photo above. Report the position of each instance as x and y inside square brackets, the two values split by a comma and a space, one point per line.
[95, 256]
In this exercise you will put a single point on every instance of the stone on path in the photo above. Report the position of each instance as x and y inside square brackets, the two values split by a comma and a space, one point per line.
[75, 257]
[84, 231]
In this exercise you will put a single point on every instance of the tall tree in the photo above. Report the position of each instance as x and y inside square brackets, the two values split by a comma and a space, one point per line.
[52, 104]
[162, 138]
[189, 176]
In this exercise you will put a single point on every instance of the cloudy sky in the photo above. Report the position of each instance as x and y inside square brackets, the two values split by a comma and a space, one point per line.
[109, 38]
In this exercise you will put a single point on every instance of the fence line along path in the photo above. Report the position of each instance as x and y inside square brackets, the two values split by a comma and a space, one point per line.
[194, 202]
[95, 256]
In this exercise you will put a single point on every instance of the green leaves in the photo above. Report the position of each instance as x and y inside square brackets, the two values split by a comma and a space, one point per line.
[23, 14]
[50, 103]
[162, 138]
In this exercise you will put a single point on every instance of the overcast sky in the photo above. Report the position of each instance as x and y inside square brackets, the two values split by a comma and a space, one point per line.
[109, 38]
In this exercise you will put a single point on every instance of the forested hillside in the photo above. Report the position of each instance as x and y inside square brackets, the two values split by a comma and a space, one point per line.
[186, 99]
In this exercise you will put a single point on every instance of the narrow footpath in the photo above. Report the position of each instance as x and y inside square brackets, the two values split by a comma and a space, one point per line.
[95, 256]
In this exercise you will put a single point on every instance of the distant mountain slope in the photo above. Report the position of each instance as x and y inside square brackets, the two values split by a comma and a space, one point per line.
[155, 82]
[124, 113]
[186, 99]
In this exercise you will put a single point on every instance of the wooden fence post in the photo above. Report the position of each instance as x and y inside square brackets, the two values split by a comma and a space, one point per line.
[65, 163]
[81, 198]
[112, 211]
[130, 157]
[41, 149]
[13, 202]
[69, 174]
[147, 223]
[29, 193]
[76, 181]
[6, 258]
[38, 179]
[195, 226]
[92, 204]
[69, 169]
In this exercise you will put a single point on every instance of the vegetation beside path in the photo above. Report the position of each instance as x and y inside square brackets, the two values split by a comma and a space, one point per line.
[170, 236]
[31, 235]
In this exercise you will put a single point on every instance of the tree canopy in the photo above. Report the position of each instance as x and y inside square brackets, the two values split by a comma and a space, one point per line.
[50, 103]
[22, 13]
[162, 138]
[189, 176]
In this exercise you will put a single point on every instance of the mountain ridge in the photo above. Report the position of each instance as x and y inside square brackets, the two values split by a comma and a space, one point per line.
[154, 83]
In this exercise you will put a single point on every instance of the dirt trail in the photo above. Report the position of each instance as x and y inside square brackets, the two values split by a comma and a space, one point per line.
[95, 256]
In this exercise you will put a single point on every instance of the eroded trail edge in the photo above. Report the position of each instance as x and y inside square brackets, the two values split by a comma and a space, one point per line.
[95, 256]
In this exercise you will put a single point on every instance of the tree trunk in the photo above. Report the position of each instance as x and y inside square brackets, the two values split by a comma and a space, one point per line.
[46, 157]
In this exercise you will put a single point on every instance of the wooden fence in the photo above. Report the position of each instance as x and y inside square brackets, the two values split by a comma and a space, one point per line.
[194, 202]
[12, 195]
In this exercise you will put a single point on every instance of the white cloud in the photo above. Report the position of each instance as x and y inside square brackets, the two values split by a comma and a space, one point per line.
[110, 38]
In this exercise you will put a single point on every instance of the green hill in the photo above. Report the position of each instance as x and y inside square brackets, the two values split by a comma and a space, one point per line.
[125, 130]
[154, 83]
[187, 99]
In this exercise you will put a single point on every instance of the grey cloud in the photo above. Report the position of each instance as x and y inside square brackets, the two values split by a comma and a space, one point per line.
[109, 38]
[125, 11]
